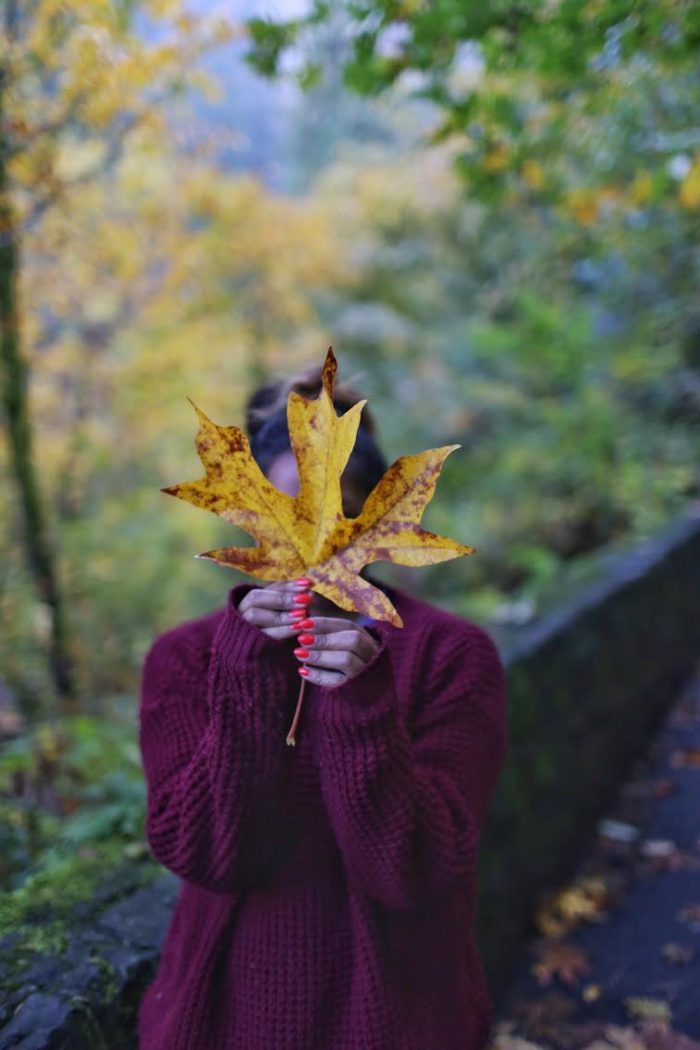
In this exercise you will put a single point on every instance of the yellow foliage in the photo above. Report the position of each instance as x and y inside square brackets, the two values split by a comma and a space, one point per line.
[497, 158]
[689, 192]
[583, 204]
[308, 534]
[98, 69]
[533, 174]
[75, 159]
[642, 187]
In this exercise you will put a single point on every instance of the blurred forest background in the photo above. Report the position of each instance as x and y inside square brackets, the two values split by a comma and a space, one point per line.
[493, 218]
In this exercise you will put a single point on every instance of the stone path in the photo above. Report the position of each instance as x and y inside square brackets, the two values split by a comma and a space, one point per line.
[618, 959]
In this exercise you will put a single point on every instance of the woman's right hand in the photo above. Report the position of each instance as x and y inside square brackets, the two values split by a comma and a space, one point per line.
[269, 607]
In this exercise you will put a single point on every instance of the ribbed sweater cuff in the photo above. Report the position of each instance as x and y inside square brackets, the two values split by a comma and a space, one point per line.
[242, 644]
[363, 697]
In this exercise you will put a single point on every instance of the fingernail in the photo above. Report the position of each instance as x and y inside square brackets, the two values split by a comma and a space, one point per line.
[301, 653]
[304, 580]
[307, 623]
[301, 599]
[306, 639]
[297, 614]
[305, 671]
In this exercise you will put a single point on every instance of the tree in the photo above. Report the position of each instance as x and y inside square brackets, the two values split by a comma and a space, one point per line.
[71, 79]
[165, 277]
[511, 80]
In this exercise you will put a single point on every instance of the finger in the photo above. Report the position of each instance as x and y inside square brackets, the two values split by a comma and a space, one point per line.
[269, 598]
[289, 587]
[355, 638]
[331, 624]
[279, 632]
[334, 660]
[362, 645]
[265, 618]
[323, 678]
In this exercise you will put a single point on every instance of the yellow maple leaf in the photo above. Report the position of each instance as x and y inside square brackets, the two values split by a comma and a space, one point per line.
[308, 534]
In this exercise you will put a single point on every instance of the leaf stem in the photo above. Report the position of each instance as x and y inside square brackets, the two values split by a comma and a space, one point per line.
[290, 735]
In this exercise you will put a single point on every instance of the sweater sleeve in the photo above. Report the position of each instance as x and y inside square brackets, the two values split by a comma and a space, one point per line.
[407, 808]
[212, 739]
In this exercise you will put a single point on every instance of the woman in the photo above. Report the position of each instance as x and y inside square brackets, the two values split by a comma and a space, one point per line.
[328, 894]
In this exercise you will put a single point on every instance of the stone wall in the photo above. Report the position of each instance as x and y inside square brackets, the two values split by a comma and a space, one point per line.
[587, 687]
[588, 684]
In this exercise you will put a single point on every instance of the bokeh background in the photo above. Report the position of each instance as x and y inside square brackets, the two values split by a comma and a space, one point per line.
[490, 211]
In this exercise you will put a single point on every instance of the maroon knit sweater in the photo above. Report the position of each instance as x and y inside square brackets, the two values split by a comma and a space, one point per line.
[329, 889]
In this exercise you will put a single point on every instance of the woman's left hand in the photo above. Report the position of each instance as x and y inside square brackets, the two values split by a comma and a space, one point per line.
[333, 650]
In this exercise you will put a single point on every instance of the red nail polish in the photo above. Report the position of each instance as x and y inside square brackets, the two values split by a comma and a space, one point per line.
[301, 599]
[298, 614]
[301, 653]
[304, 581]
[304, 671]
[306, 639]
[306, 622]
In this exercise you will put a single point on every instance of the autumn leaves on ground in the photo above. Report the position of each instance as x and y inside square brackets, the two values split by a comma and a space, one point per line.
[616, 962]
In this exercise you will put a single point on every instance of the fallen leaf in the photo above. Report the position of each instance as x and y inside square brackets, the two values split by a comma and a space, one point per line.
[689, 913]
[308, 534]
[557, 959]
[658, 1035]
[685, 756]
[664, 854]
[618, 830]
[677, 953]
[547, 1017]
[663, 788]
[657, 848]
[617, 1038]
[561, 911]
[645, 1008]
[591, 993]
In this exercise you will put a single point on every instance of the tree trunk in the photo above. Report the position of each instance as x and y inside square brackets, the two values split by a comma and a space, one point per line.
[39, 551]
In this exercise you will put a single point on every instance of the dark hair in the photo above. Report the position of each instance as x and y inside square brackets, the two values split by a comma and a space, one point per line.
[268, 433]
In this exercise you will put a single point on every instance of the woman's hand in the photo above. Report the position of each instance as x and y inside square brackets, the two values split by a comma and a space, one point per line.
[269, 608]
[334, 649]
[331, 648]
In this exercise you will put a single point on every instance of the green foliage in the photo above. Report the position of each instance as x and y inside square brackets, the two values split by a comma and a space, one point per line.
[270, 39]
[58, 886]
[513, 83]
[70, 784]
